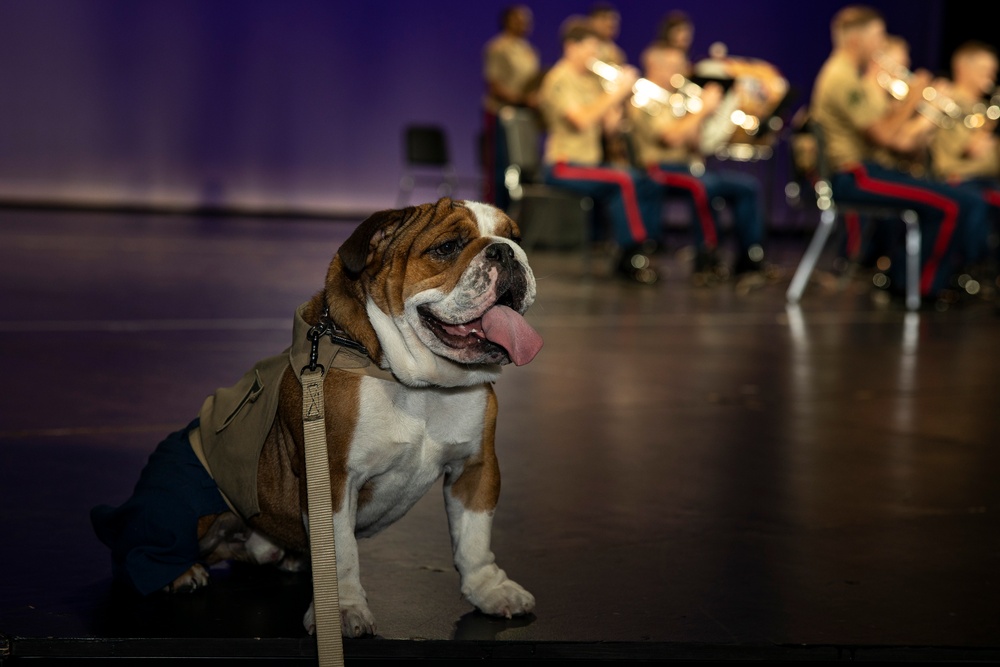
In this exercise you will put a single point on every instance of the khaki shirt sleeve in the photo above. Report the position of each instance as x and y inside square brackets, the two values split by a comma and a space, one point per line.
[644, 136]
[494, 64]
[851, 99]
[947, 149]
[558, 97]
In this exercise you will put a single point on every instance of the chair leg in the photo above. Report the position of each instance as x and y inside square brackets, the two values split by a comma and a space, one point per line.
[912, 260]
[811, 256]
[515, 211]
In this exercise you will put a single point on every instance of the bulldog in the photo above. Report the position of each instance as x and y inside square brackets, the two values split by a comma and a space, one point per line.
[420, 310]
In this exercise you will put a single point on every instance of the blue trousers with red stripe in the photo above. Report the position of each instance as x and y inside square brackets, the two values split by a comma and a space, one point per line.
[631, 198]
[742, 192]
[947, 214]
[980, 246]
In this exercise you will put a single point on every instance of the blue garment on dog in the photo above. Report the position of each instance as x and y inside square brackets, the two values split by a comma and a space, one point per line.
[153, 535]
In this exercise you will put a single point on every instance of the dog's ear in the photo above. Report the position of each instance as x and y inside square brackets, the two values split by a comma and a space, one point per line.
[357, 250]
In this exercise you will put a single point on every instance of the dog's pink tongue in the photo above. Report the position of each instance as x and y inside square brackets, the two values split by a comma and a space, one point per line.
[508, 329]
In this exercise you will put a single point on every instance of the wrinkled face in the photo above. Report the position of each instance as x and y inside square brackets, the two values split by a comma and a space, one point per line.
[450, 292]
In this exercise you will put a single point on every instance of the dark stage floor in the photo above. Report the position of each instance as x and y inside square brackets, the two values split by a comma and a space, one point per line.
[688, 473]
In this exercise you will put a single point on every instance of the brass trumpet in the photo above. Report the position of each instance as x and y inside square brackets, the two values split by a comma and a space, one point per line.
[935, 105]
[984, 112]
[650, 97]
[718, 130]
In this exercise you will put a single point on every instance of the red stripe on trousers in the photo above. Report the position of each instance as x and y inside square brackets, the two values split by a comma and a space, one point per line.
[697, 190]
[852, 223]
[620, 178]
[992, 197]
[947, 206]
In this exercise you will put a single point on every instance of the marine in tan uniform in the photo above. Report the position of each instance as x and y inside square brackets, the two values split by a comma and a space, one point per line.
[512, 73]
[866, 240]
[914, 135]
[854, 125]
[577, 110]
[677, 29]
[969, 149]
[666, 142]
[967, 154]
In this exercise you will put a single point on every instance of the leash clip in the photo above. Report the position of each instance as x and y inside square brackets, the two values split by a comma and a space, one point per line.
[326, 327]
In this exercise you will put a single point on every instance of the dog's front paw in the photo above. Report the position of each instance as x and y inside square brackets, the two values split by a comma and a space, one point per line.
[355, 620]
[194, 578]
[497, 595]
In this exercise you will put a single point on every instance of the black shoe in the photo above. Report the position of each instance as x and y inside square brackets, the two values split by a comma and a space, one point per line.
[636, 266]
[751, 271]
[750, 260]
[708, 269]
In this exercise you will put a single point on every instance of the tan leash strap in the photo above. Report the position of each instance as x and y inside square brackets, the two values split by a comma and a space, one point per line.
[326, 601]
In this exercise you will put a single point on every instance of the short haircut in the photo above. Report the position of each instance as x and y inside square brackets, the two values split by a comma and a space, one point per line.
[972, 47]
[672, 21]
[602, 8]
[854, 16]
[899, 41]
[658, 49]
[576, 29]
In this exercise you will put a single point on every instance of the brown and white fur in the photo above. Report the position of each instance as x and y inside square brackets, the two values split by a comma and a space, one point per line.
[391, 285]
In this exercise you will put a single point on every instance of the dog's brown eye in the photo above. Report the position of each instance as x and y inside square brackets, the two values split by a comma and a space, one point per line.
[446, 249]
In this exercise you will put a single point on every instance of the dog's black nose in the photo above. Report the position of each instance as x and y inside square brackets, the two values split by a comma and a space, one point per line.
[501, 252]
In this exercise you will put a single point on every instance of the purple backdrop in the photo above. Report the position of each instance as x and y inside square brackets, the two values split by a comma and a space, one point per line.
[300, 104]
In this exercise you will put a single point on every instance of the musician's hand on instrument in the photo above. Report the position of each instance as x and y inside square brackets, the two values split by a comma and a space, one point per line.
[942, 85]
[623, 85]
[921, 79]
[711, 97]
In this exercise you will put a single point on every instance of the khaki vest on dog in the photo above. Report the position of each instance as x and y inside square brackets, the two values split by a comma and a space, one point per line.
[236, 420]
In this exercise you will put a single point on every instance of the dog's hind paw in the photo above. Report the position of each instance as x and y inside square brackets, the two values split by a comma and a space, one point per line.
[355, 620]
[293, 563]
[196, 577]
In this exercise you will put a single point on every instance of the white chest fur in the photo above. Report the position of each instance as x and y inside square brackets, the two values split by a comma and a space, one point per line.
[404, 441]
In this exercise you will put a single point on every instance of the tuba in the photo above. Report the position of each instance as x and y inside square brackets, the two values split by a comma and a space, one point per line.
[756, 93]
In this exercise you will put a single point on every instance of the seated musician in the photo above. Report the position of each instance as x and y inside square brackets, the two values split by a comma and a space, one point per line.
[676, 29]
[667, 146]
[967, 152]
[855, 123]
[867, 240]
[577, 109]
[511, 72]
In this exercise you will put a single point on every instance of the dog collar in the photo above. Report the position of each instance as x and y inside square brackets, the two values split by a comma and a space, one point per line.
[326, 345]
